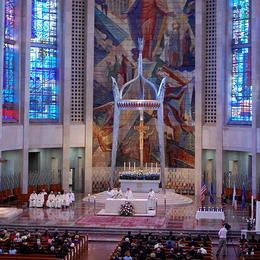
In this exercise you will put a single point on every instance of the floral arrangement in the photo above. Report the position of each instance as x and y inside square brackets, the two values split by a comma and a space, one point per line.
[126, 209]
[139, 175]
[250, 223]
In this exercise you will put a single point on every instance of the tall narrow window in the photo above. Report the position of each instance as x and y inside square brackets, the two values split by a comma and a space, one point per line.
[44, 91]
[241, 88]
[10, 106]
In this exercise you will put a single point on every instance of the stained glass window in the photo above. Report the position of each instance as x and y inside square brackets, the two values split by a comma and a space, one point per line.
[44, 91]
[10, 106]
[241, 87]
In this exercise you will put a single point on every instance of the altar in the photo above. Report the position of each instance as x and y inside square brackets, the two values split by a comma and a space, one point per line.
[112, 207]
[139, 185]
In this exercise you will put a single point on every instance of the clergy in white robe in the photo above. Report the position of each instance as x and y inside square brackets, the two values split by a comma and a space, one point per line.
[111, 193]
[151, 203]
[65, 199]
[51, 200]
[33, 200]
[118, 194]
[71, 196]
[40, 200]
[58, 200]
[129, 194]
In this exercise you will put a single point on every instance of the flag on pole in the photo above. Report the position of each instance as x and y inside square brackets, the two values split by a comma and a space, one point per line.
[211, 196]
[243, 205]
[234, 199]
[203, 192]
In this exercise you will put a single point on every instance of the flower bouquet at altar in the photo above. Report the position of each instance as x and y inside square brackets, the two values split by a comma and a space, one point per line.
[126, 209]
[139, 175]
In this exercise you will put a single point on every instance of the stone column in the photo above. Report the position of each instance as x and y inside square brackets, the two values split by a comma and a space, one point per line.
[89, 65]
[255, 47]
[221, 28]
[199, 82]
[65, 46]
[24, 47]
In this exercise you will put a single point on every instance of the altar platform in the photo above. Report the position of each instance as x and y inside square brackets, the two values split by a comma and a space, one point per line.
[9, 213]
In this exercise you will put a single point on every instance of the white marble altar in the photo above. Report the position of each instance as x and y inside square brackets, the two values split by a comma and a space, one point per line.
[140, 185]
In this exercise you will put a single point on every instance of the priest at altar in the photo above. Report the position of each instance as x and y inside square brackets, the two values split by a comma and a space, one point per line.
[151, 199]
[129, 194]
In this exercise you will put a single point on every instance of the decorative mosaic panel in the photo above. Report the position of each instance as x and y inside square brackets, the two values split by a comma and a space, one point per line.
[168, 29]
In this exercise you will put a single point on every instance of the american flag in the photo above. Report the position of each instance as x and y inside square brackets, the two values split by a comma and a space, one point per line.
[203, 191]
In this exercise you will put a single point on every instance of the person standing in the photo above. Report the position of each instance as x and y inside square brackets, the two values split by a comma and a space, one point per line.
[151, 199]
[129, 194]
[222, 234]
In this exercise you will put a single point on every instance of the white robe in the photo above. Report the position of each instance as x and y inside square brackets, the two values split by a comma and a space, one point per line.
[151, 200]
[129, 195]
[118, 194]
[51, 201]
[40, 200]
[72, 197]
[65, 200]
[111, 193]
[58, 201]
[32, 200]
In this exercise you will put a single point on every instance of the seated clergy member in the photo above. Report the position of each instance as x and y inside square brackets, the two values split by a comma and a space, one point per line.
[51, 200]
[58, 200]
[129, 194]
[65, 200]
[151, 199]
[40, 200]
[33, 200]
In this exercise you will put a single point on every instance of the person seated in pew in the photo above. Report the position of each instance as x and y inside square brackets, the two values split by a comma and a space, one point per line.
[129, 194]
[51, 200]
[192, 253]
[33, 200]
[243, 239]
[4, 235]
[252, 239]
[12, 250]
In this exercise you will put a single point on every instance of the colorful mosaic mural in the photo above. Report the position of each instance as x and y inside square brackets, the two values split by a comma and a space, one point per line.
[168, 29]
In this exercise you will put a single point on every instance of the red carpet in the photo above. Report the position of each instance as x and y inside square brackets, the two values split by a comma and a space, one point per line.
[119, 221]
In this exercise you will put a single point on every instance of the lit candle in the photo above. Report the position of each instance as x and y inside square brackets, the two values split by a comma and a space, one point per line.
[252, 207]
[124, 166]
[134, 166]
[151, 167]
[129, 166]
[156, 166]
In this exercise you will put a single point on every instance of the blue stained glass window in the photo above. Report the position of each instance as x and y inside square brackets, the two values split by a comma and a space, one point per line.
[44, 91]
[241, 86]
[10, 106]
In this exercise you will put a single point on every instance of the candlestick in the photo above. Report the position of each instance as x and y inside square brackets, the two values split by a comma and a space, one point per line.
[252, 207]
[129, 165]
[124, 166]
[146, 165]
[151, 167]
[156, 167]
[134, 166]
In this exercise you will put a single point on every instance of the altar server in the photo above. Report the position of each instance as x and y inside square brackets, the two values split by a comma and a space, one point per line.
[151, 199]
[58, 200]
[65, 200]
[40, 200]
[33, 200]
[129, 194]
[51, 200]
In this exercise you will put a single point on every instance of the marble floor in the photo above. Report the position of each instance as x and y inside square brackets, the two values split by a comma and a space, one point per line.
[169, 216]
